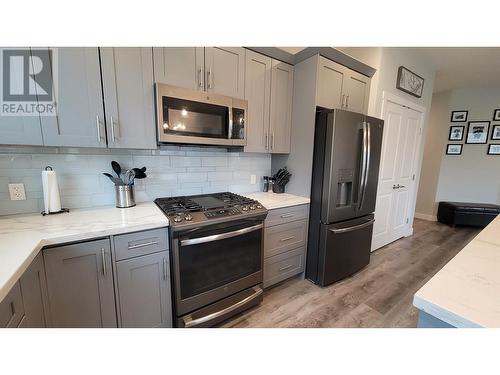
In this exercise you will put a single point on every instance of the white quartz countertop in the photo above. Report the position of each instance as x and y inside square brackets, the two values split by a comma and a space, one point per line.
[22, 236]
[272, 200]
[466, 292]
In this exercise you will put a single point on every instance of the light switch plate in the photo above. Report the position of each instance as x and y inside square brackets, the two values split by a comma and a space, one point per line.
[17, 192]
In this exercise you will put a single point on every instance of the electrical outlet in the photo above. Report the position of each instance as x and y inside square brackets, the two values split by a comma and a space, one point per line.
[253, 179]
[17, 192]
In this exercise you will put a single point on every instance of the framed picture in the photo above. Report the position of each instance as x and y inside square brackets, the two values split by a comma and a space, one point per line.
[456, 133]
[410, 82]
[495, 133]
[453, 149]
[459, 116]
[496, 115]
[493, 149]
[478, 132]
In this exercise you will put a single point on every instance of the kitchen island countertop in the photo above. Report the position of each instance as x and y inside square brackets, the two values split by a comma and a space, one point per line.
[23, 236]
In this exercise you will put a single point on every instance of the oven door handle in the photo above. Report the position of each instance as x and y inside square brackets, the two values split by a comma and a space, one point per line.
[190, 323]
[217, 237]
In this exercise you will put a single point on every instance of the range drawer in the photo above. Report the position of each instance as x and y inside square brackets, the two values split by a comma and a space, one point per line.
[283, 266]
[140, 243]
[281, 238]
[287, 215]
[12, 308]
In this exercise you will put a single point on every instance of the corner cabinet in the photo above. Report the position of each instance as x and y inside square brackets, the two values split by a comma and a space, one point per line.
[80, 285]
[269, 92]
[340, 87]
[219, 70]
[127, 80]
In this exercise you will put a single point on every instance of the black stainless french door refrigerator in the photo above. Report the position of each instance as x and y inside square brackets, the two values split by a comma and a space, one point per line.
[347, 148]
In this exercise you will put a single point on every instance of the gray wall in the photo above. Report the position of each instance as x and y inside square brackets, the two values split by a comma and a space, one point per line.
[171, 171]
[473, 176]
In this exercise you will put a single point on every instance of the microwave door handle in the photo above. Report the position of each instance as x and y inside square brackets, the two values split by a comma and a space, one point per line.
[230, 129]
[363, 167]
[222, 236]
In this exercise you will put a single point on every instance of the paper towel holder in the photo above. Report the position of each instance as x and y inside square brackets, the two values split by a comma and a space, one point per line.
[62, 210]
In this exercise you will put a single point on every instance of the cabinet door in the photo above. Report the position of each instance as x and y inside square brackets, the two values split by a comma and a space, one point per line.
[144, 291]
[225, 71]
[330, 84]
[281, 107]
[34, 291]
[11, 308]
[80, 285]
[79, 105]
[257, 93]
[180, 66]
[127, 78]
[18, 130]
[357, 90]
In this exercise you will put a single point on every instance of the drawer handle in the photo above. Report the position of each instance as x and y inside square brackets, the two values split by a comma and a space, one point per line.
[287, 238]
[286, 267]
[287, 215]
[138, 246]
[12, 308]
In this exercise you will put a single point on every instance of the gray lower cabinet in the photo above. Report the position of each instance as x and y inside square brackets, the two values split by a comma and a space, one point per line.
[11, 308]
[34, 292]
[80, 285]
[143, 291]
[127, 80]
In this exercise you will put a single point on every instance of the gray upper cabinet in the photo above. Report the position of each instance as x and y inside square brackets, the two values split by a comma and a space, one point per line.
[225, 71]
[143, 291]
[257, 93]
[34, 292]
[79, 104]
[127, 78]
[80, 285]
[330, 83]
[281, 107]
[180, 66]
[341, 87]
[19, 130]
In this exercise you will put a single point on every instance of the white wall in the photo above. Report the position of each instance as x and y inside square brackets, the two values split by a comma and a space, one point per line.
[473, 176]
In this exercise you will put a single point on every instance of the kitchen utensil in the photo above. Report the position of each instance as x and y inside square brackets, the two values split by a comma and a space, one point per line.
[116, 167]
[129, 177]
[117, 181]
[139, 172]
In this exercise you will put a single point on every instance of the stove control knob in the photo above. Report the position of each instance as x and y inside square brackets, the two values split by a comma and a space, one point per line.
[188, 217]
[177, 218]
[252, 207]
[259, 206]
[244, 208]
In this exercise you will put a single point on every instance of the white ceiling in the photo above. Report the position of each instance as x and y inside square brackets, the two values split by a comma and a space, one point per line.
[457, 67]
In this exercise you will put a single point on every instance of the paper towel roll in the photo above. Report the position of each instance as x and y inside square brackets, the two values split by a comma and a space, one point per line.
[51, 196]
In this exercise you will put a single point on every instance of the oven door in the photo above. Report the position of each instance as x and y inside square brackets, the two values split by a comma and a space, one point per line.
[216, 261]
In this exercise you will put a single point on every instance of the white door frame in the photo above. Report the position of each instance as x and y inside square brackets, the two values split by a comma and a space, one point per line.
[388, 97]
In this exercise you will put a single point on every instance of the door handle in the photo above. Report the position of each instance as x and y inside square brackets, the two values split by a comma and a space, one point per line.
[350, 229]
[347, 101]
[216, 237]
[113, 138]
[209, 78]
[200, 78]
[98, 129]
[267, 142]
[342, 101]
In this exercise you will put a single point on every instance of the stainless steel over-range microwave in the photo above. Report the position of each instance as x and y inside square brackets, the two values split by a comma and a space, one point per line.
[196, 117]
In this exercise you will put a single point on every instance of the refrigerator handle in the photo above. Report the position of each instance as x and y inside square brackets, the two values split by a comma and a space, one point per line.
[353, 228]
[367, 165]
[361, 189]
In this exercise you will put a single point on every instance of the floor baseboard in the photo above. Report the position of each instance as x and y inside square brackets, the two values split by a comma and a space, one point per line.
[425, 217]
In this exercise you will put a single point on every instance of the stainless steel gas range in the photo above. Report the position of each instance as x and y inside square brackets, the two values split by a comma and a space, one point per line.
[217, 255]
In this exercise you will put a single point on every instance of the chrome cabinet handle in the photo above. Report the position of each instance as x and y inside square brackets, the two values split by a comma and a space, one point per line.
[287, 239]
[267, 141]
[112, 128]
[138, 246]
[284, 216]
[347, 101]
[98, 129]
[200, 78]
[272, 141]
[209, 78]
[103, 256]
[342, 105]
[216, 237]
[190, 322]
[164, 268]
[12, 308]
[286, 267]
[350, 229]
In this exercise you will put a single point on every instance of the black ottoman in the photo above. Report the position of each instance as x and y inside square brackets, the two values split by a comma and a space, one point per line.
[469, 214]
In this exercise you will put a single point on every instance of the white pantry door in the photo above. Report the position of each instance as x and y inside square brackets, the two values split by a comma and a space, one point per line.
[396, 187]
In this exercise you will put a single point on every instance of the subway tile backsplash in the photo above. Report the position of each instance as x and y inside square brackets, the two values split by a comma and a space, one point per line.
[171, 170]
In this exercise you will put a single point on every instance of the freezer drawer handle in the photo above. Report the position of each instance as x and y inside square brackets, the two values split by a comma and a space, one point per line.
[221, 236]
[189, 322]
[355, 227]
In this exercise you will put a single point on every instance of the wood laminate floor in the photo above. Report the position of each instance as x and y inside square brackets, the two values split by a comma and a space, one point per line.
[380, 295]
